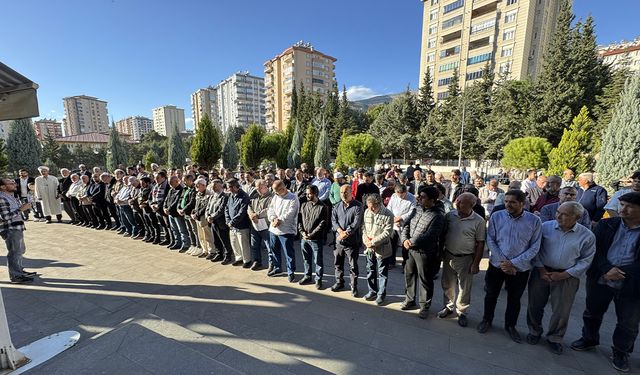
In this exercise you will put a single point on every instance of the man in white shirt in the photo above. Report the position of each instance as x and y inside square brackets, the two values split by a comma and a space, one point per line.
[613, 207]
[402, 204]
[283, 218]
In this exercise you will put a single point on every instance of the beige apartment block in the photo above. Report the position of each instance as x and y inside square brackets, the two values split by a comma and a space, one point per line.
[85, 114]
[623, 55]
[301, 64]
[510, 35]
[204, 101]
[47, 127]
[135, 126]
[165, 119]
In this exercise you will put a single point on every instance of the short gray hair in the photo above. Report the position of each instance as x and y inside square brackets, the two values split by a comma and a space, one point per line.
[586, 176]
[201, 181]
[576, 207]
[374, 199]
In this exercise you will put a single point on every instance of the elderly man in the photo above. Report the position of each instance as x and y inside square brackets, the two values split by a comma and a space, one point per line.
[216, 217]
[566, 251]
[464, 247]
[377, 230]
[198, 214]
[46, 191]
[11, 230]
[567, 178]
[181, 239]
[614, 275]
[299, 186]
[156, 202]
[150, 220]
[239, 224]
[257, 211]
[591, 196]
[567, 194]
[417, 182]
[530, 182]
[185, 208]
[513, 240]
[313, 227]
[98, 193]
[488, 195]
[334, 194]
[534, 192]
[72, 194]
[346, 221]
[64, 183]
[402, 205]
[613, 206]
[283, 218]
[550, 194]
[323, 184]
[422, 237]
[129, 225]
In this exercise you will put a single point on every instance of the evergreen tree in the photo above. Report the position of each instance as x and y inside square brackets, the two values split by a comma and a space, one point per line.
[294, 101]
[206, 148]
[603, 110]
[294, 155]
[573, 151]
[4, 161]
[322, 155]
[50, 149]
[389, 129]
[116, 152]
[454, 86]
[23, 148]
[425, 102]
[251, 148]
[230, 155]
[409, 117]
[177, 154]
[525, 153]
[149, 158]
[620, 153]
[445, 123]
[358, 150]
[308, 151]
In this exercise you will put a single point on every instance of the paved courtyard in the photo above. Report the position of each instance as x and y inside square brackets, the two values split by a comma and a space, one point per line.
[142, 309]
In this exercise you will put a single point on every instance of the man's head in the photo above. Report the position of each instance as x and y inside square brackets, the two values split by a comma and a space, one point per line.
[391, 183]
[44, 171]
[312, 193]
[553, 185]
[635, 181]
[85, 179]
[568, 175]
[279, 188]
[430, 177]
[217, 185]
[140, 167]
[174, 181]
[321, 173]
[233, 185]
[515, 185]
[249, 177]
[568, 214]
[455, 176]
[428, 196]
[82, 167]
[465, 203]
[188, 179]
[541, 182]
[478, 182]
[339, 178]
[64, 172]
[24, 173]
[145, 181]
[439, 177]
[262, 187]
[119, 173]
[368, 177]
[379, 179]
[201, 185]
[514, 202]
[133, 181]
[401, 191]
[179, 173]
[568, 194]
[402, 178]
[585, 180]
[441, 189]
[105, 177]
[531, 174]
[417, 175]
[161, 177]
[97, 170]
[132, 171]
[7, 185]
[630, 207]
[493, 184]
[345, 193]
[75, 178]
[374, 202]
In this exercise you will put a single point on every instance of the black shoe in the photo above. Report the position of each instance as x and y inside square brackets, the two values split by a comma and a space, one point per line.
[555, 347]
[121, 231]
[484, 326]
[292, 278]
[256, 266]
[444, 313]
[371, 296]
[319, 284]
[175, 247]
[514, 334]
[237, 263]
[270, 268]
[532, 339]
[210, 256]
[217, 258]
[203, 255]
[305, 280]
[462, 320]
[337, 287]
[162, 243]
[139, 237]
[407, 305]
[380, 300]
[127, 235]
[246, 265]
[29, 274]
[184, 249]
[274, 272]
[582, 345]
[226, 261]
[423, 313]
[21, 279]
[170, 245]
[620, 361]
[354, 292]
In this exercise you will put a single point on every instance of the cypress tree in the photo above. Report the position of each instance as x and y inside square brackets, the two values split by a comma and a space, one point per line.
[603, 111]
[116, 151]
[4, 160]
[425, 103]
[620, 152]
[23, 148]
[573, 149]
[230, 155]
[294, 101]
[177, 155]
[322, 156]
[294, 155]
[50, 149]
[251, 148]
[206, 148]
[308, 151]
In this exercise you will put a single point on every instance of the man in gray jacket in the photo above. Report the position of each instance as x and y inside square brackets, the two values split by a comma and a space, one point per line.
[377, 230]
[257, 212]
[346, 220]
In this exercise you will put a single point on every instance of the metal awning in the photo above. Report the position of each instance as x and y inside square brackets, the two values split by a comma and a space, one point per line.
[18, 97]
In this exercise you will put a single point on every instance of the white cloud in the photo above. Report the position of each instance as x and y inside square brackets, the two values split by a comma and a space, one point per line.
[360, 92]
[188, 122]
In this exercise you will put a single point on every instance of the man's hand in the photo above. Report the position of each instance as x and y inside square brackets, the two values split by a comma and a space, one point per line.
[276, 223]
[397, 219]
[25, 207]
[210, 220]
[181, 212]
[368, 243]
[544, 275]
[558, 276]
[474, 269]
[615, 274]
[507, 267]
[253, 216]
[407, 244]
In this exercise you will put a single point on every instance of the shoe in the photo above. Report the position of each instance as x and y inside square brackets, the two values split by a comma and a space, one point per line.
[305, 280]
[246, 265]
[274, 272]
[444, 313]
[174, 247]
[210, 256]
[319, 285]
[407, 305]
[533, 339]
[462, 320]
[139, 237]
[620, 361]
[226, 261]
[484, 326]
[270, 268]
[514, 334]
[121, 231]
[292, 278]
[169, 246]
[371, 296]
[424, 313]
[237, 263]
[127, 235]
[582, 345]
[190, 251]
[354, 292]
[147, 239]
[380, 300]
[183, 249]
[29, 274]
[217, 258]
[256, 266]
[555, 347]
[197, 252]
[162, 243]
[21, 279]
[203, 255]
[337, 287]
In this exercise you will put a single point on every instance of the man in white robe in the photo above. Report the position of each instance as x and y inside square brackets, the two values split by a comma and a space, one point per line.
[46, 191]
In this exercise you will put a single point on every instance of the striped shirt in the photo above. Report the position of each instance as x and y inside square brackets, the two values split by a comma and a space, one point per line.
[10, 216]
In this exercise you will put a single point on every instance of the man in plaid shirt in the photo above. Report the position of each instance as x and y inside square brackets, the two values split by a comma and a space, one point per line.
[11, 228]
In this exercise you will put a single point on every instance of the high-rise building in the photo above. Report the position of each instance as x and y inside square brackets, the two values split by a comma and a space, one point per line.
[85, 114]
[46, 127]
[166, 118]
[241, 101]
[136, 126]
[301, 64]
[465, 35]
[623, 55]
[204, 101]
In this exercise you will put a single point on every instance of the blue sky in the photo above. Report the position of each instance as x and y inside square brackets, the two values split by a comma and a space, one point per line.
[140, 54]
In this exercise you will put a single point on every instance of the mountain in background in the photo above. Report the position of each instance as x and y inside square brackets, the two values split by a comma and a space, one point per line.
[364, 104]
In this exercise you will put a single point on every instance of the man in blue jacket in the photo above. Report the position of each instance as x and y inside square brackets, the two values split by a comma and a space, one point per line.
[591, 196]
[237, 219]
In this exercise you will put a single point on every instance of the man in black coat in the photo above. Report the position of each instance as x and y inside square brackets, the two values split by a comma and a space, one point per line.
[63, 187]
[23, 192]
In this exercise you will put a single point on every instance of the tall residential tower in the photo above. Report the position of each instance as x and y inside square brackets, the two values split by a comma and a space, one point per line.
[166, 118]
[85, 114]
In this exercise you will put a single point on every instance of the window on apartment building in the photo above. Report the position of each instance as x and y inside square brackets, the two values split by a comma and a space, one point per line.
[474, 75]
[511, 16]
[431, 43]
[443, 95]
[433, 28]
[431, 57]
[453, 6]
[509, 34]
[506, 51]
[451, 22]
[450, 52]
[478, 59]
[444, 81]
[511, 2]
[434, 2]
[505, 68]
[317, 80]
[482, 26]
[448, 66]
[433, 15]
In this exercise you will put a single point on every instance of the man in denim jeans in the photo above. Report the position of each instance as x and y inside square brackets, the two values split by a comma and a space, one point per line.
[283, 219]
[313, 227]
[259, 226]
[182, 242]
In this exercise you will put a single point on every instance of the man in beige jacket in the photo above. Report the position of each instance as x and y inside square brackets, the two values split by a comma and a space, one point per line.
[377, 230]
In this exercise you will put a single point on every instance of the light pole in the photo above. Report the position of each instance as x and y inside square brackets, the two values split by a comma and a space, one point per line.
[464, 102]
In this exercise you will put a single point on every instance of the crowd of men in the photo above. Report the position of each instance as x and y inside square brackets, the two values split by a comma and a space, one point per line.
[542, 233]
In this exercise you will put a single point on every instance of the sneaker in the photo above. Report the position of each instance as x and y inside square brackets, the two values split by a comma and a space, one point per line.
[462, 320]
[620, 361]
[424, 313]
[582, 345]
[337, 287]
[256, 266]
[371, 296]
[274, 272]
[354, 292]
[444, 313]
[305, 280]
[532, 339]
[407, 305]
[21, 279]
[380, 300]
[292, 278]
[319, 284]
[190, 251]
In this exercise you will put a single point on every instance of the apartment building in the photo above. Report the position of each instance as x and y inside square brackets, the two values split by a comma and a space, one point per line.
[204, 101]
[241, 99]
[47, 127]
[85, 114]
[302, 64]
[623, 55]
[465, 35]
[135, 126]
[165, 119]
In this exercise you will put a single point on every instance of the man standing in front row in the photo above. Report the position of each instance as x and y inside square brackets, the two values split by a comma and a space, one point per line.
[513, 240]
[614, 276]
[11, 230]
[377, 230]
[283, 218]
[346, 220]
[566, 251]
[312, 227]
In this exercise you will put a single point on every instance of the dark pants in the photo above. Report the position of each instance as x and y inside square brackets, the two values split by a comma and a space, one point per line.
[277, 242]
[180, 233]
[515, 285]
[377, 273]
[193, 230]
[137, 216]
[90, 215]
[420, 266]
[259, 239]
[151, 225]
[68, 208]
[312, 252]
[113, 213]
[599, 298]
[25, 213]
[14, 240]
[351, 253]
[102, 213]
[77, 210]
[222, 240]
[37, 212]
[395, 243]
[163, 221]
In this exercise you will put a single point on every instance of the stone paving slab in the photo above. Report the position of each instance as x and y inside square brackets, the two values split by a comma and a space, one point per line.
[224, 318]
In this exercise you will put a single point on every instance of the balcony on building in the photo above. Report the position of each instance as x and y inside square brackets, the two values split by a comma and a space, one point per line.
[481, 43]
[484, 10]
[451, 37]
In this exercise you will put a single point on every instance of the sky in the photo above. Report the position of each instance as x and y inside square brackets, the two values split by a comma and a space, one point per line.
[142, 54]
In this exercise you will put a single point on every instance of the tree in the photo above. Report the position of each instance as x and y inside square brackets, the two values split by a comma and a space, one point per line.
[177, 154]
[574, 148]
[206, 148]
[358, 150]
[620, 153]
[23, 148]
[425, 103]
[230, 156]
[116, 152]
[322, 155]
[294, 155]
[149, 158]
[274, 148]
[294, 101]
[4, 161]
[525, 153]
[50, 148]
[308, 151]
[603, 110]
[251, 151]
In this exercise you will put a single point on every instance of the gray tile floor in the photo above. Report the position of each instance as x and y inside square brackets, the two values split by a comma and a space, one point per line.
[142, 309]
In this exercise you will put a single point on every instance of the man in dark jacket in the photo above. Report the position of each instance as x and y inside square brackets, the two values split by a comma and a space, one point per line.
[299, 186]
[216, 217]
[63, 187]
[185, 207]
[346, 220]
[237, 220]
[178, 227]
[97, 193]
[615, 275]
[591, 196]
[158, 195]
[151, 225]
[366, 188]
[23, 191]
[423, 236]
[312, 227]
